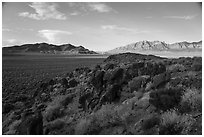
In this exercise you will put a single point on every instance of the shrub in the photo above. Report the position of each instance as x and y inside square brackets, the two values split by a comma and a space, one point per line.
[165, 99]
[12, 129]
[150, 122]
[103, 118]
[175, 124]
[191, 101]
[176, 68]
[53, 112]
[117, 75]
[138, 82]
[55, 125]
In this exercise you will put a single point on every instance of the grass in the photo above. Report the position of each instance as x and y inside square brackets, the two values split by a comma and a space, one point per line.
[173, 123]
[191, 101]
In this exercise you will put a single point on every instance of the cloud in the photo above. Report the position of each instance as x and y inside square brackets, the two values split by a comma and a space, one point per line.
[115, 27]
[74, 13]
[190, 17]
[119, 28]
[44, 11]
[99, 7]
[91, 7]
[52, 35]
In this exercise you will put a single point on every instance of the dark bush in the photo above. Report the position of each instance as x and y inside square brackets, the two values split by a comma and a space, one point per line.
[72, 82]
[117, 75]
[165, 99]
[6, 108]
[97, 79]
[197, 66]
[150, 122]
[109, 66]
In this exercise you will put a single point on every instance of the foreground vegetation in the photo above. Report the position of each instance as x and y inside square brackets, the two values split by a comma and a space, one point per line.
[126, 94]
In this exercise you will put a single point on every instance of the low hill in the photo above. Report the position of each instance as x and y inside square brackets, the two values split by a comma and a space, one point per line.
[48, 48]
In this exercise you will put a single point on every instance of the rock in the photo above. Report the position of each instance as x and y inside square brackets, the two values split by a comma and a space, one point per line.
[72, 83]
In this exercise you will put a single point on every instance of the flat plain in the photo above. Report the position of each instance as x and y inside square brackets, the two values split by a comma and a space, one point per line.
[22, 73]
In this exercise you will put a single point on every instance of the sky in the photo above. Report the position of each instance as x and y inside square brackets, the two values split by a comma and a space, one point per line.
[100, 26]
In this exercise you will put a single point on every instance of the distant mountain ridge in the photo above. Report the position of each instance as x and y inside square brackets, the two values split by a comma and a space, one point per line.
[48, 48]
[158, 46]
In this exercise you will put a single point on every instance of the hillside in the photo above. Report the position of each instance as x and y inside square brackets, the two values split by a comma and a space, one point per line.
[126, 94]
[48, 48]
[158, 46]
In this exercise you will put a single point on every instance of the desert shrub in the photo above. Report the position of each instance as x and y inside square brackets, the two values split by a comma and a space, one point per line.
[197, 66]
[117, 75]
[109, 66]
[12, 129]
[175, 124]
[176, 68]
[150, 122]
[67, 100]
[191, 101]
[165, 99]
[138, 82]
[53, 112]
[7, 107]
[55, 125]
[103, 118]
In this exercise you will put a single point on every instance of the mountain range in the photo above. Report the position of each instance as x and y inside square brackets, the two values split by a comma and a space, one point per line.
[156, 46]
[143, 47]
[48, 48]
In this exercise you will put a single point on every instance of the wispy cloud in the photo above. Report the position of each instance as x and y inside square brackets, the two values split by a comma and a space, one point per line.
[126, 29]
[75, 13]
[44, 11]
[115, 27]
[52, 35]
[189, 17]
[99, 7]
[90, 7]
